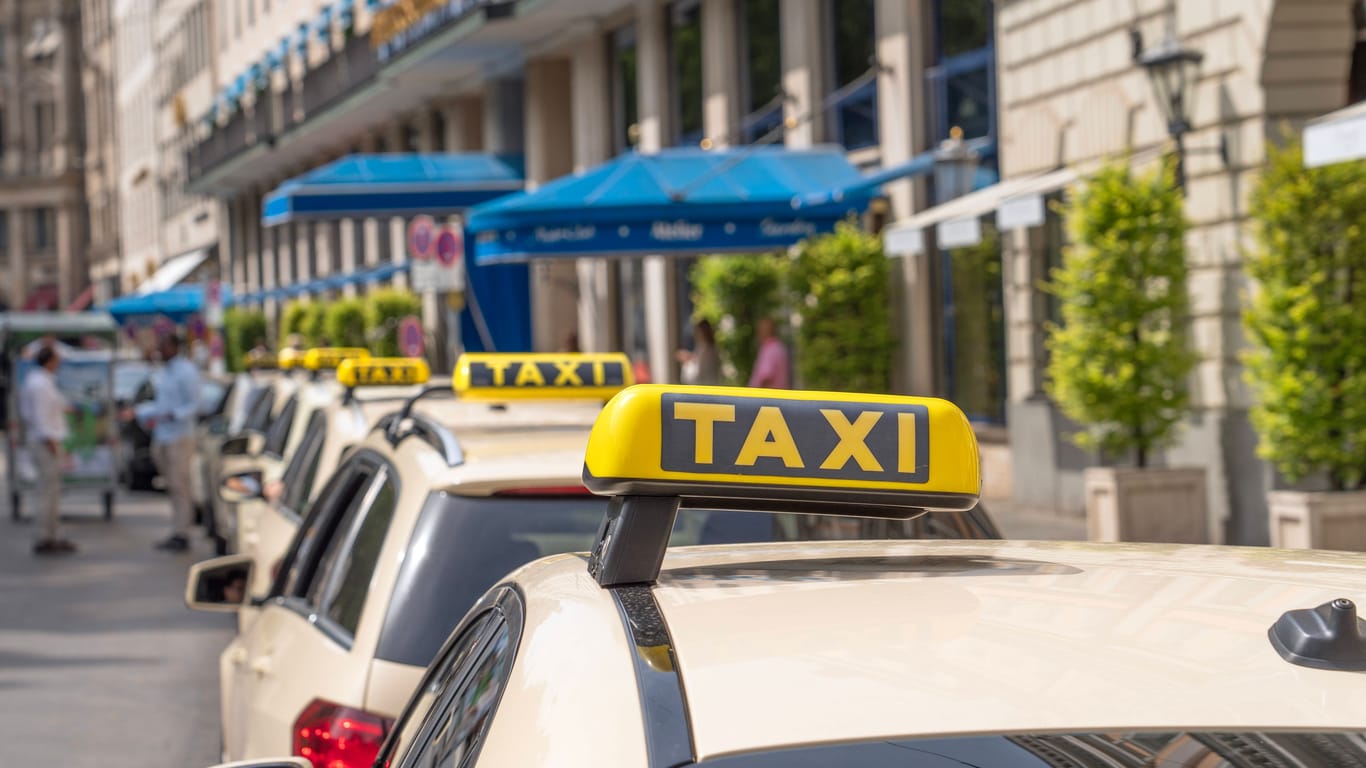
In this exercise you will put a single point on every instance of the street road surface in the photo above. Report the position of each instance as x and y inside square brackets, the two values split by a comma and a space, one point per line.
[101, 663]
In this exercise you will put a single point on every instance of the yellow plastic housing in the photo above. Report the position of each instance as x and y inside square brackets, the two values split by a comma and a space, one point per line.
[332, 357]
[383, 372]
[513, 376]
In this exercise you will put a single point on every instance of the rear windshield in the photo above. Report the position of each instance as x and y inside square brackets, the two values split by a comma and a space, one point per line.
[1084, 750]
[462, 546]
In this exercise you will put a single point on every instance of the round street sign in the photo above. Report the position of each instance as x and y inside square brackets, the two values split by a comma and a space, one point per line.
[410, 343]
[421, 237]
[450, 246]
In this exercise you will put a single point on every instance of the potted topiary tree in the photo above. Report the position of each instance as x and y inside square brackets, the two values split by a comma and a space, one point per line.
[1306, 362]
[1120, 358]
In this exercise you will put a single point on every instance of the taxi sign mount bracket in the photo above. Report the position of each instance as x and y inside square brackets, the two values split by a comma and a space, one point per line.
[632, 539]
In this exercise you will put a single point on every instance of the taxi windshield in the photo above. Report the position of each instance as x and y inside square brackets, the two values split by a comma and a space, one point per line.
[1298, 749]
[464, 545]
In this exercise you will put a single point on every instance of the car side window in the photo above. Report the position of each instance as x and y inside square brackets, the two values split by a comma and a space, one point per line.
[299, 476]
[278, 436]
[458, 723]
[347, 487]
[352, 557]
[258, 415]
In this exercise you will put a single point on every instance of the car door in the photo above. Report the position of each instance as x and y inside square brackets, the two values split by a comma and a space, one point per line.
[252, 652]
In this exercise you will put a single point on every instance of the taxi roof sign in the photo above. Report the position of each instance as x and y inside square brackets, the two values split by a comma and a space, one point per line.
[508, 376]
[290, 359]
[332, 357]
[655, 447]
[256, 360]
[723, 442]
[383, 372]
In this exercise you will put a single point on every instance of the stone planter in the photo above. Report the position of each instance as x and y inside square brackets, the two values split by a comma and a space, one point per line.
[1318, 519]
[1156, 505]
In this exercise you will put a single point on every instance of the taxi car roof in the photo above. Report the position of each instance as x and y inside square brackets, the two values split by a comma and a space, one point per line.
[461, 416]
[810, 643]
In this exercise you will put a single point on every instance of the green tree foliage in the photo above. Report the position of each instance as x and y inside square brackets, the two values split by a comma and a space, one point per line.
[734, 293]
[311, 326]
[384, 310]
[293, 318]
[1121, 358]
[344, 323]
[1306, 323]
[242, 328]
[839, 284]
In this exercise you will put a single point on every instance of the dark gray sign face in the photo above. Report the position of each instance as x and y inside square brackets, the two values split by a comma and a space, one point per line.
[821, 440]
[564, 375]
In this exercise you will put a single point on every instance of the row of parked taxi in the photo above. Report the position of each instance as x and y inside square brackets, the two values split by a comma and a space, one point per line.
[439, 572]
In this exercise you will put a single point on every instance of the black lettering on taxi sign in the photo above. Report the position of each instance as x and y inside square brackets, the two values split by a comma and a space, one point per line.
[560, 373]
[372, 375]
[815, 439]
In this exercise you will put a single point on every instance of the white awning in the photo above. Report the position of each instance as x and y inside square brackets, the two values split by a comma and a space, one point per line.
[172, 272]
[1018, 203]
[1336, 137]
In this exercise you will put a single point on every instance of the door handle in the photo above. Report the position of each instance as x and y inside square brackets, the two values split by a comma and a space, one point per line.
[237, 655]
[261, 665]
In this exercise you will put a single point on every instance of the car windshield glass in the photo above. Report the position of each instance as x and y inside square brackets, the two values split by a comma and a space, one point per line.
[462, 546]
[1080, 750]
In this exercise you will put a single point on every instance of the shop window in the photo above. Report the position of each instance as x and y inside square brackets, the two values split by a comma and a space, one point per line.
[853, 101]
[685, 53]
[975, 330]
[41, 224]
[962, 79]
[762, 80]
[625, 111]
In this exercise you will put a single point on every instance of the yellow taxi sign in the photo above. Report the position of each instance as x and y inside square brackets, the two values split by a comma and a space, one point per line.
[724, 442]
[383, 371]
[332, 357]
[290, 359]
[505, 376]
[260, 360]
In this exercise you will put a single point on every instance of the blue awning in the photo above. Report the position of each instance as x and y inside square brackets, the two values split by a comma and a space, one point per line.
[677, 202]
[358, 186]
[177, 303]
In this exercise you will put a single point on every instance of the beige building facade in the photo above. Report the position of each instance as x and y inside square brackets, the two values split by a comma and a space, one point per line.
[1070, 95]
[101, 166]
[42, 190]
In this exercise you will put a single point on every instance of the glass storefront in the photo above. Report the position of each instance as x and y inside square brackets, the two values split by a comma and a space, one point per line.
[853, 27]
[685, 58]
[760, 35]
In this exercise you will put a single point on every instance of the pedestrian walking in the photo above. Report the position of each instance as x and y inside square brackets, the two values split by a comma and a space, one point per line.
[171, 416]
[43, 408]
[771, 364]
[701, 364]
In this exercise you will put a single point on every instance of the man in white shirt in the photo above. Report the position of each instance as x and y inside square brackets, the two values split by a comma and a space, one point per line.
[172, 416]
[43, 408]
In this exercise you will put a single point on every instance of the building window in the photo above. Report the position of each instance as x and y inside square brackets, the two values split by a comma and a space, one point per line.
[4, 231]
[44, 125]
[625, 110]
[409, 137]
[685, 54]
[41, 226]
[962, 79]
[975, 329]
[438, 123]
[1356, 86]
[762, 79]
[853, 102]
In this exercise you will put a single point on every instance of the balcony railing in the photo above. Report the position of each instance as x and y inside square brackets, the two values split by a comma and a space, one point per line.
[274, 113]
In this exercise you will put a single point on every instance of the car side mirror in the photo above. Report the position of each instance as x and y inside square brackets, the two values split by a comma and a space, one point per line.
[249, 443]
[236, 489]
[220, 584]
[270, 762]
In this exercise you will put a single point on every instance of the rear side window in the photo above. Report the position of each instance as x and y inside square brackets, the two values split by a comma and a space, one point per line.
[278, 436]
[351, 582]
[302, 471]
[258, 414]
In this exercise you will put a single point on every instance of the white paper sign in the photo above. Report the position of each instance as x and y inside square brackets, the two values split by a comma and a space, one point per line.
[959, 233]
[903, 241]
[1020, 212]
[431, 276]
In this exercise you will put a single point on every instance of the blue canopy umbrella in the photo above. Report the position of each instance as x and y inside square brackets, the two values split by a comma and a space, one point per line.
[176, 304]
[393, 185]
[680, 202]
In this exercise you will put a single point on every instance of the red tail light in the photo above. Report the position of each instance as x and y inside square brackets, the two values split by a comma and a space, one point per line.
[549, 490]
[333, 736]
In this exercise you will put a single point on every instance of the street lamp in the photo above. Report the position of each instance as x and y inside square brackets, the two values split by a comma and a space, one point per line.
[955, 166]
[1172, 70]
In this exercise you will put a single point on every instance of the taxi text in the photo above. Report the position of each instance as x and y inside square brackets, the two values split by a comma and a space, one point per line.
[565, 374]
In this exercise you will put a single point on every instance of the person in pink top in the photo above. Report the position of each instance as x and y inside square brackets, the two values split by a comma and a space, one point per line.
[770, 366]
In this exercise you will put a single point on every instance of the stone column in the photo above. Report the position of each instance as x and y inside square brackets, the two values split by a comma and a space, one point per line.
[549, 155]
[303, 252]
[251, 222]
[652, 79]
[231, 262]
[270, 263]
[902, 130]
[66, 256]
[592, 128]
[465, 125]
[348, 231]
[18, 258]
[804, 79]
[720, 71]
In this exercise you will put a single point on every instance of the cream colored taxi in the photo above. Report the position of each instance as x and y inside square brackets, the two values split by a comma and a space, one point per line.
[903, 654]
[435, 506]
[268, 515]
[311, 386]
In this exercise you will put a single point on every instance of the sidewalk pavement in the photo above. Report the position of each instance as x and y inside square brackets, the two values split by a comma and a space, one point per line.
[1033, 524]
[101, 663]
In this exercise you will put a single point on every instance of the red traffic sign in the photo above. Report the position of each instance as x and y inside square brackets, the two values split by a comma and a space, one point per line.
[450, 246]
[410, 341]
[421, 237]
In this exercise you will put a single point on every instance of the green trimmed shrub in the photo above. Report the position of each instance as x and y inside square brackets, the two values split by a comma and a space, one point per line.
[1306, 322]
[384, 310]
[344, 323]
[293, 318]
[311, 326]
[1121, 358]
[840, 288]
[242, 328]
[734, 293]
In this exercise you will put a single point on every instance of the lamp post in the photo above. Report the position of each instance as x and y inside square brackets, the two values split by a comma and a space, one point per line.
[955, 166]
[1172, 70]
